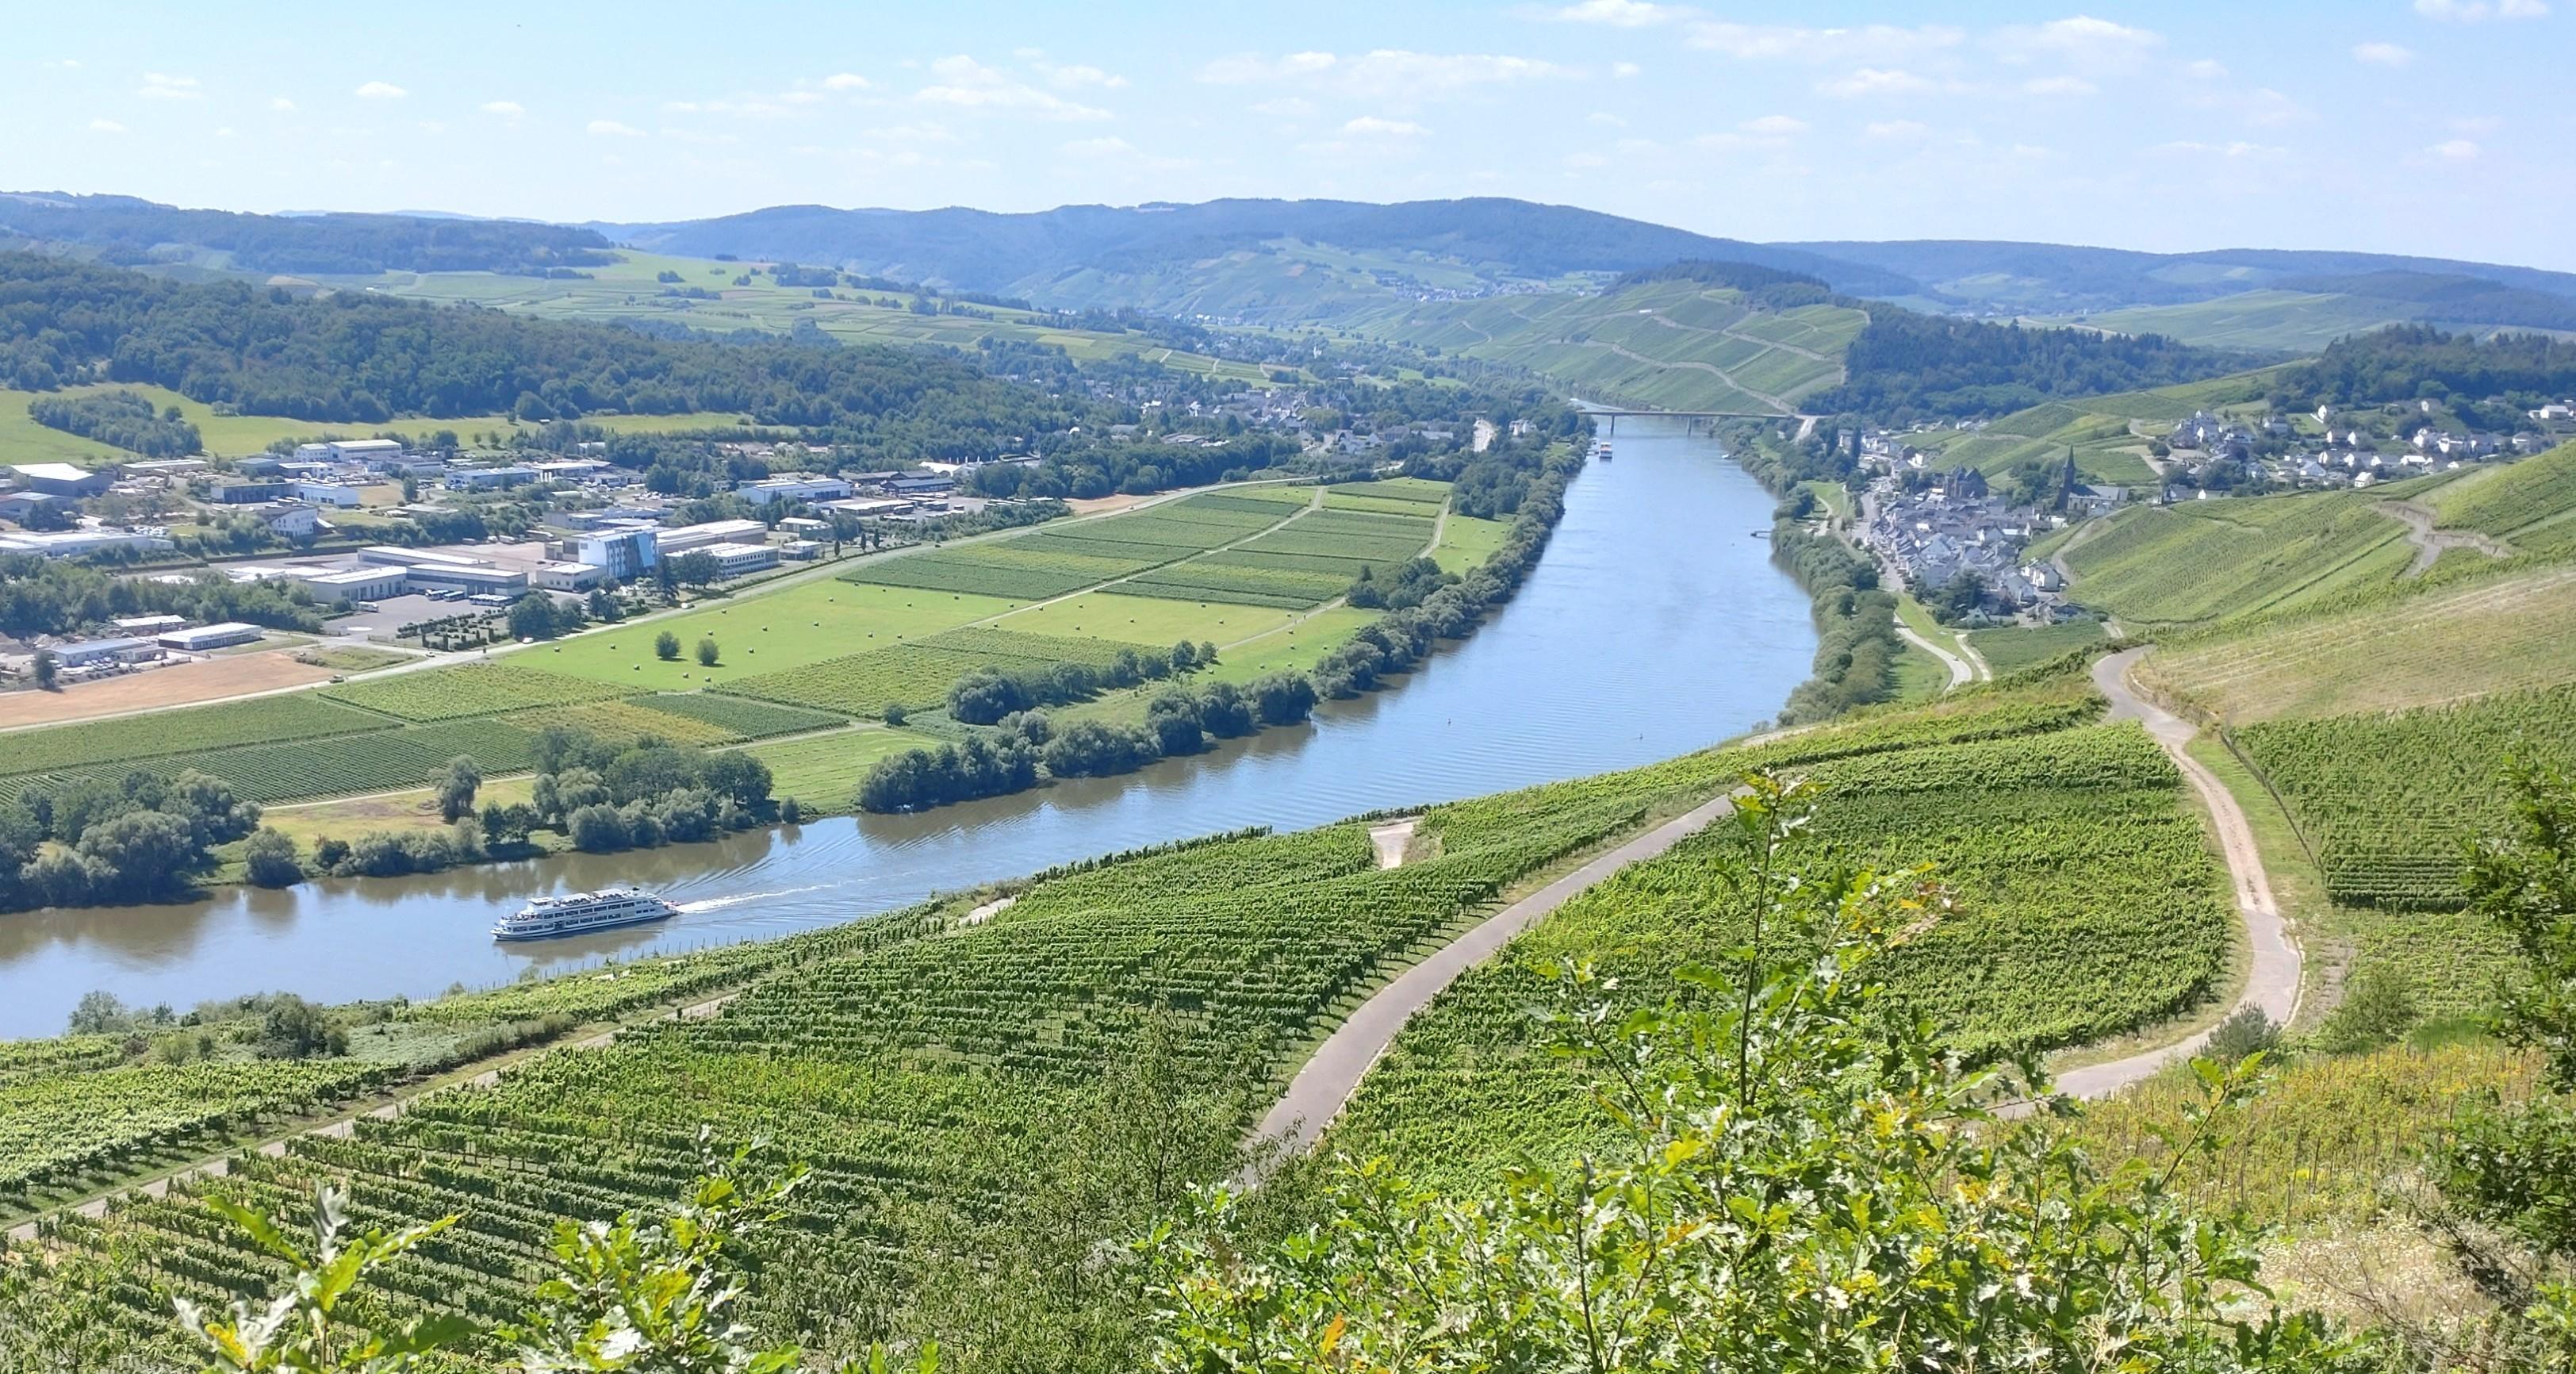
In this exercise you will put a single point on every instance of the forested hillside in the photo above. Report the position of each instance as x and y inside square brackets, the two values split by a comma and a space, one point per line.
[2412, 361]
[1908, 367]
[366, 359]
[123, 229]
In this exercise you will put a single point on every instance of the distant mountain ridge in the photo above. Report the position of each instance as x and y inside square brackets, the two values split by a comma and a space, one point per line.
[2053, 278]
[131, 231]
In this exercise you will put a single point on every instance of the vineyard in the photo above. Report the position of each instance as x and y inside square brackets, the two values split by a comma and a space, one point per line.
[2387, 802]
[333, 765]
[72, 1121]
[1057, 561]
[2500, 630]
[479, 689]
[2530, 505]
[2085, 905]
[298, 715]
[2206, 561]
[739, 717]
[918, 674]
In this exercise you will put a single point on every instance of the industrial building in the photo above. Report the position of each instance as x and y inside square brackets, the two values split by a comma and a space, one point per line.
[621, 554]
[350, 584]
[488, 479]
[204, 637]
[61, 479]
[349, 450]
[90, 652]
[737, 559]
[794, 486]
[689, 537]
[425, 570]
[73, 543]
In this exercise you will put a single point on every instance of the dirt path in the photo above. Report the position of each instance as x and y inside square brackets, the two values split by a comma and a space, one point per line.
[2430, 543]
[1390, 838]
[2272, 984]
[1325, 1084]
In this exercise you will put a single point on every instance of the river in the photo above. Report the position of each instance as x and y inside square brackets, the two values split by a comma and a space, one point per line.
[1655, 624]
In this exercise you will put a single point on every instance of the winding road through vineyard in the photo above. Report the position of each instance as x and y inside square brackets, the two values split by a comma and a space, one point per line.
[2272, 983]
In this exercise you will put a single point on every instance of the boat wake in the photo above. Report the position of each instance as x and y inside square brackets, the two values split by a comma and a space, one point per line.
[720, 903]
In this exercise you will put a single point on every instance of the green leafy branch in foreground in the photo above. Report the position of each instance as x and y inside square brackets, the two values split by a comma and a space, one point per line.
[1846, 1200]
[631, 1296]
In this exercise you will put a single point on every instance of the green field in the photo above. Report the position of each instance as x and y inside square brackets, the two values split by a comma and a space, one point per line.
[823, 772]
[628, 290]
[1145, 620]
[764, 632]
[1674, 345]
[1467, 542]
[255, 721]
[2268, 320]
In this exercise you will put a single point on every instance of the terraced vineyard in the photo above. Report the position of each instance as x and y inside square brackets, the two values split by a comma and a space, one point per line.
[2388, 801]
[2207, 561]
[2085, 905]
[2530, 504]
[2097, 428]
[70, 1121]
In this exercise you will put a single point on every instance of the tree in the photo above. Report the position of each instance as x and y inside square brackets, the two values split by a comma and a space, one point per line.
[1790, 1174]
[268, 859]
[2376, 1010]
[48, 670]
[99, 1013]
[533, 617]
[292, 1028]
[597, 828]
[697, 568]
[707, 651]
[457, 786]
[666, 646]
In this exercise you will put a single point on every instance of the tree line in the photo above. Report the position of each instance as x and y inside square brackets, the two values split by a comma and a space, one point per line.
[41, 596]
[142, 837]
[124, 229]
[126, 419]
[2419, 362]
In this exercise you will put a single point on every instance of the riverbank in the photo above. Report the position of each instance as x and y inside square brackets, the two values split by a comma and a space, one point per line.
[1554, 685]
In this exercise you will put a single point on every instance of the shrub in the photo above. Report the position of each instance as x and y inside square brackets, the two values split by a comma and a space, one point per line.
[268, 859]
[666, 646]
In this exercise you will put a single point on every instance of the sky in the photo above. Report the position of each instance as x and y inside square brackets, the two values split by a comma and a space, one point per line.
[2437, 127]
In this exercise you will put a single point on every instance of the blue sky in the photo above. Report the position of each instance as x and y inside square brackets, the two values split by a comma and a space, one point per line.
[2442, 127]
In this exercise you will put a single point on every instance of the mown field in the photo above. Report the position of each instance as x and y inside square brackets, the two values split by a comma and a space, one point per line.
[916, 1066]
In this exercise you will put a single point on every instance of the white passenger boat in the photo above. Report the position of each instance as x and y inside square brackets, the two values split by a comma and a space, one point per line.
[582, 912]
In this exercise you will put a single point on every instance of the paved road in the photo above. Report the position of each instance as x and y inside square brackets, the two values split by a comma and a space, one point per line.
[2273, 982]
[1326, 1083]
[1962, 672]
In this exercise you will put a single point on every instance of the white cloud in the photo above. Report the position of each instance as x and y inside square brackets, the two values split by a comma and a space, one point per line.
[106, 126]
[281, 104]
[1286, 107]
[158, 86]
[1606, 120]
[2477, 11]
[1874, 81]
[917, 131]
[2206, 69]
[2260, 106]
[1895, 128]
[1385, 72]
[1371, 126]
[1100, 147]
[609, 128]
[507, 109]
[1774, 126]
[69, 64]
[2456, 150]
[966, 83]
[380, 90]
[2477, 124]
[845, 81]
[1078, 77]
[2083, 40]
[1246, 68]
[1875, 43]
[1624, 14]
[2238, 150]
[2382, 54]
[2059, 85]
[1624, 70]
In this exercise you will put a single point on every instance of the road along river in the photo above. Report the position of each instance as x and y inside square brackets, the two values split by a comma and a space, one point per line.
[1656, 624]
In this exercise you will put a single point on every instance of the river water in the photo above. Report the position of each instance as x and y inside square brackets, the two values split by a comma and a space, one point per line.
[1655, 625]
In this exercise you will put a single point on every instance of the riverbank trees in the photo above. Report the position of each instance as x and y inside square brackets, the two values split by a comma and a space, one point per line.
[141, 838]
